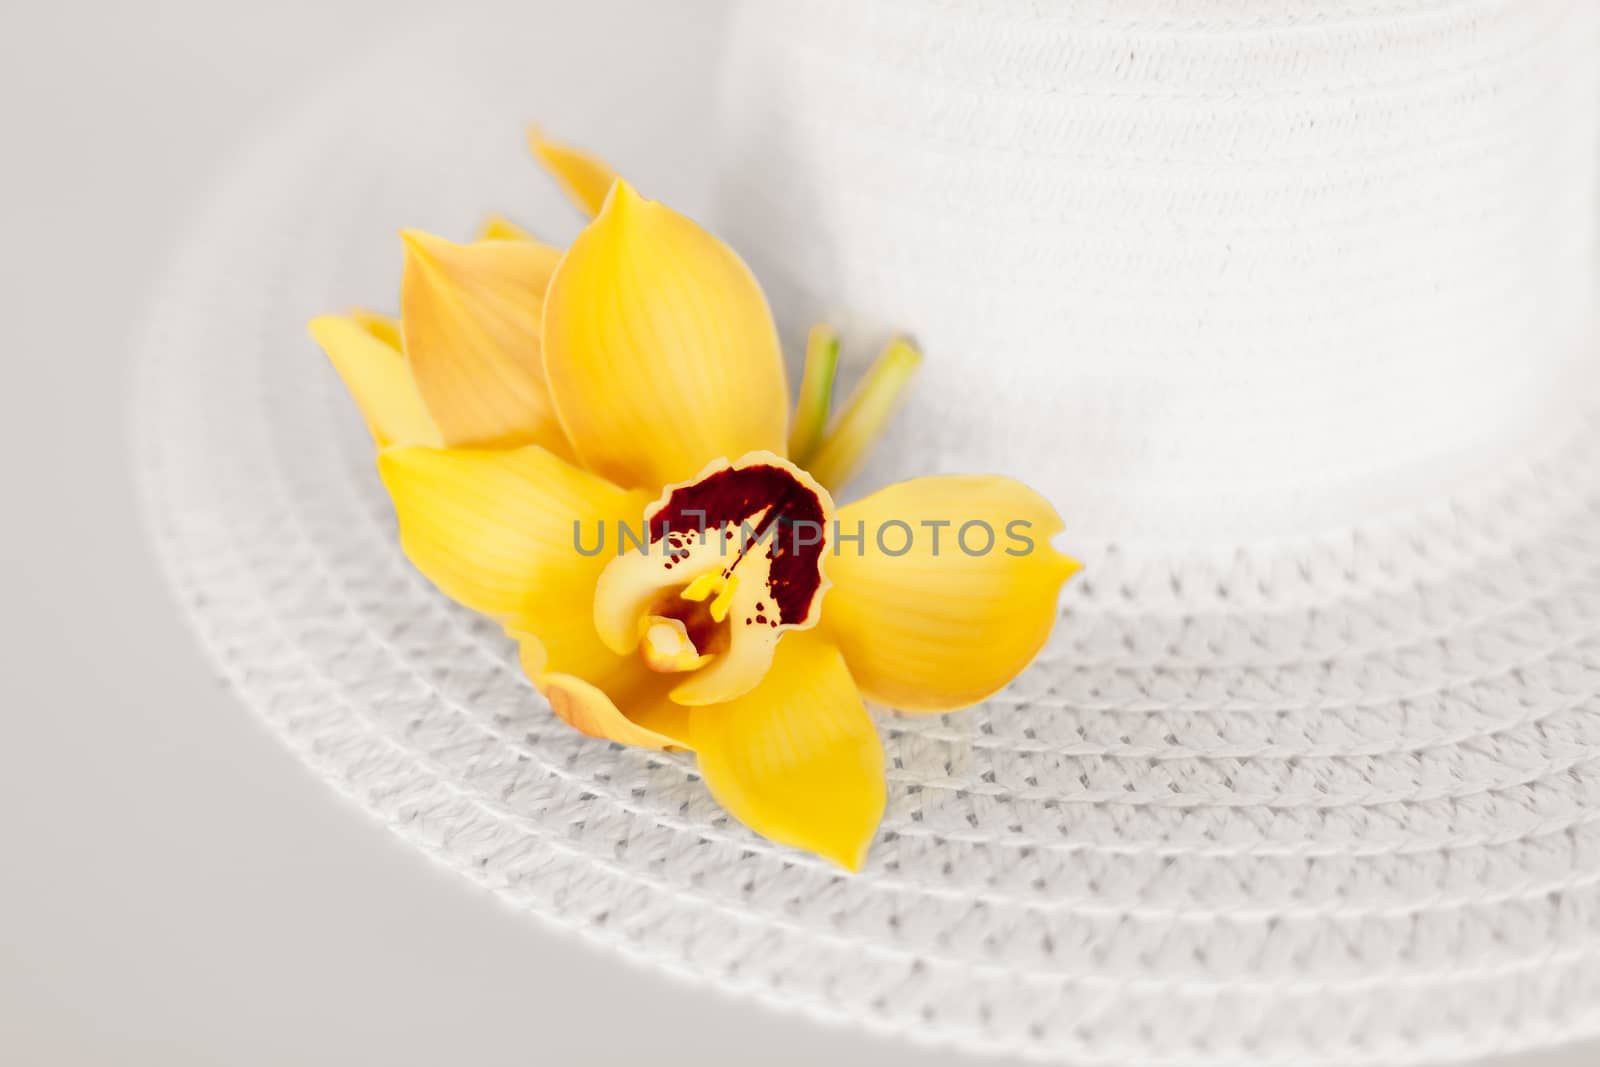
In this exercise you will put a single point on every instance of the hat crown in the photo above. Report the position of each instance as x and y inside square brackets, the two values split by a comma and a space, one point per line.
[1198, 271]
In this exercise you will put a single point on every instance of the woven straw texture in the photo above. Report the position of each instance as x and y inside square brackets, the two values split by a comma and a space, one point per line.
[1238, 270]
[1334, 800]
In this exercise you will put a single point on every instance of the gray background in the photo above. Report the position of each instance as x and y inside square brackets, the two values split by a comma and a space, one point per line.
[175, 889]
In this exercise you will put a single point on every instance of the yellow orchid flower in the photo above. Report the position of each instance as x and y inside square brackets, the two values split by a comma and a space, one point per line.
[594, 449]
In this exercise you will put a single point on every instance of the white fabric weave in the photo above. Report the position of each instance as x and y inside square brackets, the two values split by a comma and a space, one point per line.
[1324, 794]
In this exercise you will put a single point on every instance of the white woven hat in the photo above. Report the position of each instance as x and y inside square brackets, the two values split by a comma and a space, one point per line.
[1289, 306]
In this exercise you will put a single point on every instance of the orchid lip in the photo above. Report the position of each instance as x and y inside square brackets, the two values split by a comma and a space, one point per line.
[713, 563]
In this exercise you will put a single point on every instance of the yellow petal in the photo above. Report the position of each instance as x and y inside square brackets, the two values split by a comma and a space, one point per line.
[859, 426]
[376, 374]
[500, 228]
[652, 722]
[587, 709]
[470, 318]
[930, 614]
[816, 393]
[797, 759]
[586, 179]
[659, 349]
[385, 328]
[506, 534]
